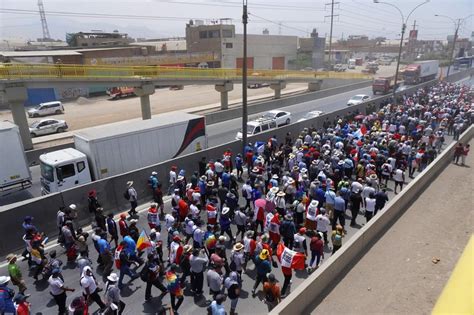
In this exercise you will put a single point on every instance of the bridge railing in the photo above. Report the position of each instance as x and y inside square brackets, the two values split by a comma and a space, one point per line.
[73, 71]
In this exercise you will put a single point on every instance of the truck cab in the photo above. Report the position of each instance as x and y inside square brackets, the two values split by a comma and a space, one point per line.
[63, 169]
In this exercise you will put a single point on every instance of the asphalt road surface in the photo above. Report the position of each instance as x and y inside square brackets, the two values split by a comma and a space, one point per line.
[218, 134]
[134, 293]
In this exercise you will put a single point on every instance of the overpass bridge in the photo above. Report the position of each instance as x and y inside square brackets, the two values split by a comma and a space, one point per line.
[16, 78]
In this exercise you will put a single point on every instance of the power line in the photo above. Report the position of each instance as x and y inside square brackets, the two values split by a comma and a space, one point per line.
[279, 23]
[234, 4]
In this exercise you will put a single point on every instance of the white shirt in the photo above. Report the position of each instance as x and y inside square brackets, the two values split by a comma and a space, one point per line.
[367, 191]
[218, 167]
[172, 177]
[88, 283]
[169, 220]
[55, 285]
[322, 222]
[398, 175]
[370, 202]
[356, 187]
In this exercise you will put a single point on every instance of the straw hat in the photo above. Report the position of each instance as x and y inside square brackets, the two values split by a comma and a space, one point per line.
[314, 203]
[188, 248]
[249, 233]
[291, 181]
[274, 190]
[373, 176]
[238, 247]
[4, 279]
[281, 193]
[10, 257]
[225, 210]
[129, 183]
[275, 176]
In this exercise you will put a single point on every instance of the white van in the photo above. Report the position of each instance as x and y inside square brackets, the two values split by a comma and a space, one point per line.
[257, 126]
[49, 108]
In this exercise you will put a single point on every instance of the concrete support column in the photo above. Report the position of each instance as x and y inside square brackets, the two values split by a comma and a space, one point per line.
[144, 92]
[224, 89]
[17, 97]
[315, 85]
[277, 87]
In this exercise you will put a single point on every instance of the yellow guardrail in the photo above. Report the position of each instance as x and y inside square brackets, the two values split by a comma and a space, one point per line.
[70, 71]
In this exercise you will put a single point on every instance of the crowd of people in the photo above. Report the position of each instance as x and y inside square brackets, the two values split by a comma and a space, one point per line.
[281, 204]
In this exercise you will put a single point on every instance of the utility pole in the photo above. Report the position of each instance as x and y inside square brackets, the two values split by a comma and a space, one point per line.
[457, 24]
[244, 80]
[330, 32]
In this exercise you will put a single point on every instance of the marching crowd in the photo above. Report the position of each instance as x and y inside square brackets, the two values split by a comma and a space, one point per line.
[281, 204]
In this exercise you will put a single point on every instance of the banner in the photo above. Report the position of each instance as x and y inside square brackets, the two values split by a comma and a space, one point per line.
[289, 258]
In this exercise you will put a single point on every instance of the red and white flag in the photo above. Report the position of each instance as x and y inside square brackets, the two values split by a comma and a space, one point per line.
[289, 258]
[360, 132]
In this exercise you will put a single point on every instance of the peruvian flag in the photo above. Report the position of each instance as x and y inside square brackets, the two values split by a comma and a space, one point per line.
[360, 132]
[289, 258]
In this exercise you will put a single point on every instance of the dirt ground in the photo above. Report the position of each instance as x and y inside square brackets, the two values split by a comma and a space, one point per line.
[84, 112]
[397, 275]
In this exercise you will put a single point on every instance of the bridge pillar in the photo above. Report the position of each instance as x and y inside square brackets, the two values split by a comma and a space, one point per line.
[315, 85]
[17, 96]
[224, 89]
[144, 92]
[277, 87]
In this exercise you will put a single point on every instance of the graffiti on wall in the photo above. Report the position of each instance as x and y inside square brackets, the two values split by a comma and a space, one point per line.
[71, 93]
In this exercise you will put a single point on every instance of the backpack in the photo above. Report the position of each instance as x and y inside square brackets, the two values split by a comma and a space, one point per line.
[126, 195]
[144, 273]
[244, 193]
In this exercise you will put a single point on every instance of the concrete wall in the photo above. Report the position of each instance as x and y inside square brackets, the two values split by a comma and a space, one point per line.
[110, 190]
[311, 292]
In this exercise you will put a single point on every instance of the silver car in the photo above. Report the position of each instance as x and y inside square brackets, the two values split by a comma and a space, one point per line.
[47, 126]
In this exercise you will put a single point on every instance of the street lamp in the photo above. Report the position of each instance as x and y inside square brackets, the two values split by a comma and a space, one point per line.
[457, 25]
[404, 26]
[244, 79]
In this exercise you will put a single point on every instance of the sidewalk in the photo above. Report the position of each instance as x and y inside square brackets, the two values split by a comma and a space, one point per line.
[401, 273]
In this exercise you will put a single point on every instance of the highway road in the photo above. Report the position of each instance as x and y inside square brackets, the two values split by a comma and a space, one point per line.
[224, 132]
[217, 134]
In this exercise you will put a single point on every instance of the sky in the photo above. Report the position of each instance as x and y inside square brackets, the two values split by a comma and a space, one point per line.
[167, 18]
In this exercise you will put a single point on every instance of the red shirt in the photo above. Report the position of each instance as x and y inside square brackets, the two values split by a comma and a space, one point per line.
[316, 245]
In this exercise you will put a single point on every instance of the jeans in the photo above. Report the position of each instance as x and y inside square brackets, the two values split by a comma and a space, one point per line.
[233, 303]
[60, 300]
[286, 283]
[125, 270]
[157, 283]
[259, 279]
[175, 305]
[315, 255]
[197, 282]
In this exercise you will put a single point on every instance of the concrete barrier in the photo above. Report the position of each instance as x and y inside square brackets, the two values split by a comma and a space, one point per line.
[110, 190]
[312, 291]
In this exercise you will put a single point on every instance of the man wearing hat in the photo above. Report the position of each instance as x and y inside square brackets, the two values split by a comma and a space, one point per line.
[15, 273]
[249, 246]
[225, 222]
[22, 306]
[263, 267]
[112, 296]
[237, 258]
[132, 195]
[272, 291]
[288, 230]
[6, 296]
[150, 274]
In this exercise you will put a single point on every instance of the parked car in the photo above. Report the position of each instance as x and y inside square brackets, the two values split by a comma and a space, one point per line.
[257, 126]
[358, 99]
[311, 114]
[47, 126]
[281, 117]
[44, 109]
[340, 67]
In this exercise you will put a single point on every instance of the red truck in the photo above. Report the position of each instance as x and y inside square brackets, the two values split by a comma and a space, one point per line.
[384, 85]
[120, 92]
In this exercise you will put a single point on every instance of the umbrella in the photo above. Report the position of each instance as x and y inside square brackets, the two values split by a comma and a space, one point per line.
[260, 203]
[359, 117]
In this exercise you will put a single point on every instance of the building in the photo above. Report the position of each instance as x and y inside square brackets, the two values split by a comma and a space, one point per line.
[219, 38]
[98, 38]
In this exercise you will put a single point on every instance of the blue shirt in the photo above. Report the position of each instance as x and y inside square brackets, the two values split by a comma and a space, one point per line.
[6, 300]
[225, 179]
[339, 204]
[217, 309]
[131, 245]
[103, 245]
[238, 162]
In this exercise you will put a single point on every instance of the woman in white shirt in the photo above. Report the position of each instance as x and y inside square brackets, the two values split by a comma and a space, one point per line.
[370, 206]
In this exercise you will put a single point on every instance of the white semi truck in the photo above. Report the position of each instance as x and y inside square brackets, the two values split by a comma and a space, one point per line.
[14, 170]
[117, 148]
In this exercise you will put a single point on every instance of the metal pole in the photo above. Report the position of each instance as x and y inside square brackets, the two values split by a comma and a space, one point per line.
[454, 45]
[244, 80]
[398, 63]
[330, 34]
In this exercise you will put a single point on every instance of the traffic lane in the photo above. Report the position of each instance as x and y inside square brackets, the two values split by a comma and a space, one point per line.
[226, 131]
[25, 194]
[134, 293]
